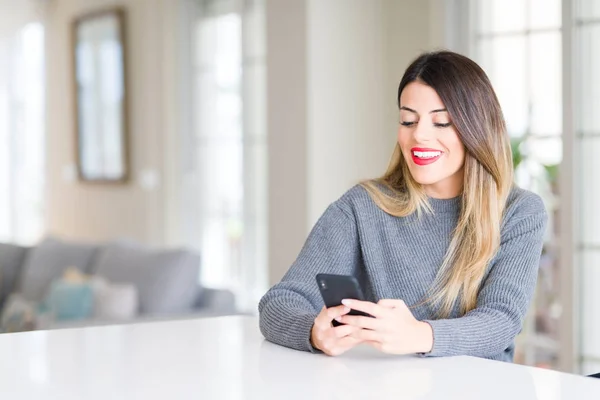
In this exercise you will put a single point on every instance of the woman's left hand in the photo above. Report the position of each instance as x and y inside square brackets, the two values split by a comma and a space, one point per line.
[393, 329]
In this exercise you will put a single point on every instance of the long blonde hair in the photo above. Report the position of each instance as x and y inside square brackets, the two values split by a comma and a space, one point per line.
[475, 111]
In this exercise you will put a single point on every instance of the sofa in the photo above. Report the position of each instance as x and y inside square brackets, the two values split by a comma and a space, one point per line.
[164, 283]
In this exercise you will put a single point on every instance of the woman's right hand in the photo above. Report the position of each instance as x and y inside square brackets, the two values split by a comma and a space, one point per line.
[331, 340]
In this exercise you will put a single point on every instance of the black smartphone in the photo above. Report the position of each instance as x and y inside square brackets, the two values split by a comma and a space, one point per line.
[335, 288]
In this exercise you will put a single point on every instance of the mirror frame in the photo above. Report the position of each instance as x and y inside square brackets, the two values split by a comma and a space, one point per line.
[119, 14]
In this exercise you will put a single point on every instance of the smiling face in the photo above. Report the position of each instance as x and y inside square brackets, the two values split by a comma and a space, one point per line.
[429, 142]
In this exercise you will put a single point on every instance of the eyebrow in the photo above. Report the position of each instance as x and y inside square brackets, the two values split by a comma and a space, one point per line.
[438, 110]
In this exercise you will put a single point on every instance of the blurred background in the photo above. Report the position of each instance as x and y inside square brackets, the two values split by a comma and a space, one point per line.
[167, 158]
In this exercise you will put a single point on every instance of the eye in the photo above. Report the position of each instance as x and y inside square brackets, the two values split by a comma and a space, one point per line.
[447, 124]
[407, 123]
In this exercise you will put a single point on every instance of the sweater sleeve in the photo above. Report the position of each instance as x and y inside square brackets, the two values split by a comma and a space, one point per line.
[504, 298]
[288, 310]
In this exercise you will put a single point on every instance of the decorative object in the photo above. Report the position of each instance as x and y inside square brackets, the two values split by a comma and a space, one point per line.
[18, 315]
[99, 79]
[71, 297]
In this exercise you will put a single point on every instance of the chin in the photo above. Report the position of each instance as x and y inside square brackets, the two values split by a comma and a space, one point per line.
[426, 182]
[425, 179]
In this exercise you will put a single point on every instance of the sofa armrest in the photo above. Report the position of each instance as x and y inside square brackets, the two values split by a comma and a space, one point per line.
[221, 301]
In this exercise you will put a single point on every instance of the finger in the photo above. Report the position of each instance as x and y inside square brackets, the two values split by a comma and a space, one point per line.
[365, 306]
[360, 321]
[365, 335]
[391, 303]
[334, 312]
[343, 345]
[343, 330]
[322, 320]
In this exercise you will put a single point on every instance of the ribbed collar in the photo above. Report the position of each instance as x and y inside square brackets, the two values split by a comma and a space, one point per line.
[445, 205]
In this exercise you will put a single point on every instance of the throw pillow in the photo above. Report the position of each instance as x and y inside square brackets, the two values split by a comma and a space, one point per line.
[114, 301]
[69, 301]
[18, 315]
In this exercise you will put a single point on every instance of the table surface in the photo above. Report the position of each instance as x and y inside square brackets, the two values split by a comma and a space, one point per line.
[227, 358]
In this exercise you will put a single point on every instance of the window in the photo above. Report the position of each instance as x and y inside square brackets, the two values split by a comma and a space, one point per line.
[518, 44]
[22, 135]
[586, 65]
[226, 149]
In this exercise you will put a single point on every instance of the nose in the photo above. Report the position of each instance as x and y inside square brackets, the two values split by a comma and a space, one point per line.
[422, 133]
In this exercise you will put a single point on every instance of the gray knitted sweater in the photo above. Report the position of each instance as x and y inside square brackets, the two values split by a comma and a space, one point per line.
[398, 258]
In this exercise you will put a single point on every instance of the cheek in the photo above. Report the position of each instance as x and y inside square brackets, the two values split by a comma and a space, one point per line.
[456, 149]
[402, 137]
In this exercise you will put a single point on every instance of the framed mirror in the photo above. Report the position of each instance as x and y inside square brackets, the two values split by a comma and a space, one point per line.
[99, 75]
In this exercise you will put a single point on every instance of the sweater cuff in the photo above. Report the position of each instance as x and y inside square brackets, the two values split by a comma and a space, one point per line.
[443, 338]
[306, 322]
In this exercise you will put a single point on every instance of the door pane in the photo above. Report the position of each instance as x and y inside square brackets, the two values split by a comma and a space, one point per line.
[544, 14]
[589, 190]
[587, 9]
[497, 16]
[545, 70]
[588, 88]
[590, 299]
[505, 61]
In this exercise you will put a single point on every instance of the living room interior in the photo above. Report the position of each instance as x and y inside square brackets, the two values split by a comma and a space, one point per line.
[224, 128]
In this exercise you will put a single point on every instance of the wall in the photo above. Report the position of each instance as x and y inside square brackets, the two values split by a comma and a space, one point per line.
[357, 54]
[287, 127]
[341, 127]
[347, 139]
[15, 14]
[96, 211]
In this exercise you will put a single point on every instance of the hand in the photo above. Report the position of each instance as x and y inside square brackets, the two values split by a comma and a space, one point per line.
[333, 341]
[393, 329]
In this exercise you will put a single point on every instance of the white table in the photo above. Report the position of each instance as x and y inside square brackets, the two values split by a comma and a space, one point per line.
[227, 358]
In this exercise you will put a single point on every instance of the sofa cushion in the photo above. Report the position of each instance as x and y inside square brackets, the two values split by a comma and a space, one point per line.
[11, 260]
[167, 281]
[70, 300]
[114, 301]
[18, 314]
[48, 261]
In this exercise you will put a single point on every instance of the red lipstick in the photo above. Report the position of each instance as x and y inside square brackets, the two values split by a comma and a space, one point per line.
[424, 155]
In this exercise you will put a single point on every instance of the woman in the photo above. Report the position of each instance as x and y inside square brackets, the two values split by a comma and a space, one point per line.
[444, 245]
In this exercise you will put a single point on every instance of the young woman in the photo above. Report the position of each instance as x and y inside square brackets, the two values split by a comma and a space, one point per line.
[444, 245]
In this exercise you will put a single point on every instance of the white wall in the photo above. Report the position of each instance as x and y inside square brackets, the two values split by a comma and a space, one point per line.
[358, 51]
[347, 139]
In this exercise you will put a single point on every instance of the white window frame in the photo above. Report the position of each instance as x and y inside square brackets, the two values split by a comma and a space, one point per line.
[24, 218]
[250, 282]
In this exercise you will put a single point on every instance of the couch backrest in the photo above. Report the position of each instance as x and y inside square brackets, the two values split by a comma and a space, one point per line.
[48, 261]
[166, 280]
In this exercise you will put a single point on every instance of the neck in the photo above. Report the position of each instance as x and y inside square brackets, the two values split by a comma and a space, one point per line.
[448, 188]
[437, 192]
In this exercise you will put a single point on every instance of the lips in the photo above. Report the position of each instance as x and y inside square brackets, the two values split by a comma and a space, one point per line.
[425, 156]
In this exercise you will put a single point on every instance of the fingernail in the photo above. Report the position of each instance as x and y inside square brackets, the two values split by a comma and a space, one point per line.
[338, 319]
[346, 309]
[346, 302]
